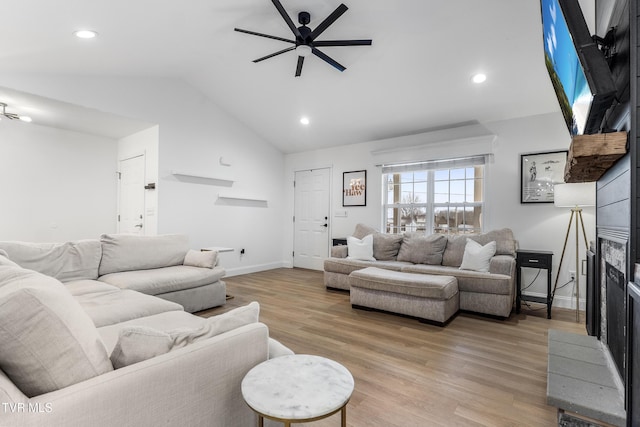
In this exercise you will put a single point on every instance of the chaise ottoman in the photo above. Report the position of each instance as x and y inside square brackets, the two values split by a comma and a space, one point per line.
[431, 298]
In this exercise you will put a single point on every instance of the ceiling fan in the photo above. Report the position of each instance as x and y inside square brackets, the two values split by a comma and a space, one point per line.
[305, 39]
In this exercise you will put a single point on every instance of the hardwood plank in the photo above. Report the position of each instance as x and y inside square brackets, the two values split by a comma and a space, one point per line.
[476, 371]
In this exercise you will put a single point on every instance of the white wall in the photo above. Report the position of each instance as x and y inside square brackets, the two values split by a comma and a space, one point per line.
[145, 143]
[193, 134]
[536, 226]
[55, 185]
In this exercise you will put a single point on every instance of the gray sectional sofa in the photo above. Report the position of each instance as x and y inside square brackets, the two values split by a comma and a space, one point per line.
[77, 351]
[490, 292]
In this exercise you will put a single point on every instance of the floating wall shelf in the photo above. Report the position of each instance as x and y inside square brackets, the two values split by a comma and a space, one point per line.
[226, 181]
[245, 198]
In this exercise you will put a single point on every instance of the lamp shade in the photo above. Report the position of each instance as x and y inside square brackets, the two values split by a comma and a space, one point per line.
[572, 195]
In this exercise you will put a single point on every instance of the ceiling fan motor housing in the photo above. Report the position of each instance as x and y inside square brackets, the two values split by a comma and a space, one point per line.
[304, 18]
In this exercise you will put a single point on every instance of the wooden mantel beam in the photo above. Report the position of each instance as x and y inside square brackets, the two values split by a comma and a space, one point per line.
[590, 156]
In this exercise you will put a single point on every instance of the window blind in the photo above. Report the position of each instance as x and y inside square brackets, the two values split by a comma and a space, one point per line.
[460, 162]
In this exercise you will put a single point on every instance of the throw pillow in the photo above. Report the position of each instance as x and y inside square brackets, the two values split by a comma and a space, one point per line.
[386, 246]
[217, 325]
[361, 249]
[363, 230]
[423, 249]
[477, 257]
[138, 343]
[47, 342]
[203, 259]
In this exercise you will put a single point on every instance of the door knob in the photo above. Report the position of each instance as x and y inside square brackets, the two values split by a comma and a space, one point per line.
[325, 225]
[138, 225]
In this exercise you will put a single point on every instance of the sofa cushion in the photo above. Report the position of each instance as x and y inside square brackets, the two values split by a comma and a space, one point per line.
[203, 259]
[420, 249]
[386, 246]
[65, 261]
[468, 280]
[110, 307]
[138, 343]
[80, 287]
[360, 249]
[162, 280]
[125, 252]
[346, 266]
[47, 341]
[418, 285]
[476, 256]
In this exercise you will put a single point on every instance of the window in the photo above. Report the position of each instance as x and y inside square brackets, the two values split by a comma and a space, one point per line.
[434, 197]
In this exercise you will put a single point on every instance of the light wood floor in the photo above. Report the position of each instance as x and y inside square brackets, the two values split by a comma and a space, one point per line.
[476, 371]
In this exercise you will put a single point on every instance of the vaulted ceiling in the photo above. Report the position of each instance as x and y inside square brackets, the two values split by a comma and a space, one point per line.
[416, 75]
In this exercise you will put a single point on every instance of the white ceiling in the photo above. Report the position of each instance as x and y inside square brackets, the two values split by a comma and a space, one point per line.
[416, 76]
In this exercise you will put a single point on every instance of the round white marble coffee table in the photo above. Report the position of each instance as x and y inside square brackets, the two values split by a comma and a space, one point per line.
[298, 388]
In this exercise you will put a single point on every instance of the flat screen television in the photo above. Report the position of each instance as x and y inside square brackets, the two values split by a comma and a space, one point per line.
[579, 72]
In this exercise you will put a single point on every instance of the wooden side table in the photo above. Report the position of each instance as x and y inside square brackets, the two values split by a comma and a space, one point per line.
[533, 259]
[298, 388]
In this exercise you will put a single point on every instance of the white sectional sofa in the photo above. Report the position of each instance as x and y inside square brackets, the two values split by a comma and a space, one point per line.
[152, 265]
[80, 352]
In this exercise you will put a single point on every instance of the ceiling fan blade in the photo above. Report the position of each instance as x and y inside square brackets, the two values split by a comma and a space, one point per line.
[287, 18]
[253, 33]
[325, 43]
[274, 54]
[327, 59]
[299, 66]
[328, 21]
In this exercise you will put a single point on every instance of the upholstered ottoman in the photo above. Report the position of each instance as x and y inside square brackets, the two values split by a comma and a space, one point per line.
[428, 297]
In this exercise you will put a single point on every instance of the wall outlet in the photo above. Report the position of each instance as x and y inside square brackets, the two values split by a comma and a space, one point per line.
[572, 275]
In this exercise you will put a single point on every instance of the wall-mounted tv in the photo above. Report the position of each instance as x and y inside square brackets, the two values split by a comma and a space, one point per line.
[579, 72]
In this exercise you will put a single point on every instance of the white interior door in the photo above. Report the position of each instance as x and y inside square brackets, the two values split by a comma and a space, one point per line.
[131, 196]
[311, 218]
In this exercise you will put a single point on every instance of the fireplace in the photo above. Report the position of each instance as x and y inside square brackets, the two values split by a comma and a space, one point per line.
[613, 288]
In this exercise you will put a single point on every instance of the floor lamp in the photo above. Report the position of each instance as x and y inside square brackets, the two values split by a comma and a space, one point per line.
[574, 196]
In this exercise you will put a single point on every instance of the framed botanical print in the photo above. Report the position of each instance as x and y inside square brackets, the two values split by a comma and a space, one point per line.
[539, 172]
[354, 188]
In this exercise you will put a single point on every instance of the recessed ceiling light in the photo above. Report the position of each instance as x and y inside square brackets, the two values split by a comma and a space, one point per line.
[479, 78]
[85, 34]
[26, 119]
[304, 120]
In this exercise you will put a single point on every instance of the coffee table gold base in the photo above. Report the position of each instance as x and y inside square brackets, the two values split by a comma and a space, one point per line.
[287, 423]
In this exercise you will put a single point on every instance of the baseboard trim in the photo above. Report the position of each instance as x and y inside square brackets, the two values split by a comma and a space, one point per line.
[254, 268]
[562, 301]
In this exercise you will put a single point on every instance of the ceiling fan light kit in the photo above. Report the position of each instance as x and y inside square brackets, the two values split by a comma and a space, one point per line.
[305, 42]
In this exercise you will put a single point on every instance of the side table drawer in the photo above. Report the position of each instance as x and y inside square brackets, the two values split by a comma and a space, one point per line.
[534, 260]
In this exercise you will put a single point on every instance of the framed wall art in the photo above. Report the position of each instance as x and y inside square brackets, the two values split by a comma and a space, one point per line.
[539, 172]
[354, 188]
